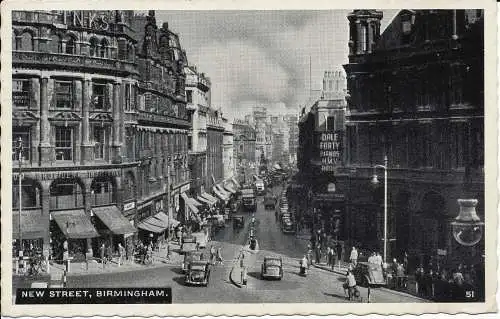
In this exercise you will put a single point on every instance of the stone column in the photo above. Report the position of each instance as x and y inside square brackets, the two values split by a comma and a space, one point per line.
[369, 36]
[86, 157]
[45, 147]
[119, 193]
[35, 105]
[46, 212]
[117, 113]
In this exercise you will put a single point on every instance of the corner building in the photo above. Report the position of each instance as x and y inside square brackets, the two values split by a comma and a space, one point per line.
[416, 96]
[72, 71]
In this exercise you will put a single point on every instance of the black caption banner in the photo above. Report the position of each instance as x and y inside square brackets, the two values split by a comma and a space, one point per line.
[28, 296]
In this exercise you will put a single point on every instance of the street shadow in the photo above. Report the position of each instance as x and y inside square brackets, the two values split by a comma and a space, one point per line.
[177, 270]
[254, 274]
[179, 280]
[335, 295]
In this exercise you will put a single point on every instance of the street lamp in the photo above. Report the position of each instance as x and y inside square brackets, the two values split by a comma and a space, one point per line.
[375, 182]
[20, 160]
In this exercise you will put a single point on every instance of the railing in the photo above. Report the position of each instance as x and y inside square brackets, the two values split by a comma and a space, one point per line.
[72, 61]
[155, 117]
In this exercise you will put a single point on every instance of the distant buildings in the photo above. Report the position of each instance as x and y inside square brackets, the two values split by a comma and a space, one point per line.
[244, 145]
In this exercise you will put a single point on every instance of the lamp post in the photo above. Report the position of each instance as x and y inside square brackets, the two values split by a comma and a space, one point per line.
[20, 160]
[375, 182]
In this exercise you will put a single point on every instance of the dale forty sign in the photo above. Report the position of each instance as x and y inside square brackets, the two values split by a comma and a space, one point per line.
[330, 150]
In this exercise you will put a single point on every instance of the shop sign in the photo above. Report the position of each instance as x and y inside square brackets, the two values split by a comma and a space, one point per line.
[441, 252]
[128, 206]
[89, 20]
[330, 149]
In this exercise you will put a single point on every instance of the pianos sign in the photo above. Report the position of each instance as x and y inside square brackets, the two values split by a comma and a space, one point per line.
[330, 150]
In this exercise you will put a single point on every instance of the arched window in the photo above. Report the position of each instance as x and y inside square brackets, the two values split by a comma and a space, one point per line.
[55, 44]
[66, 193]
[70, 45]
[102, 191]
[103, 49]
[30, 194]
[26, 42]
[93, 47]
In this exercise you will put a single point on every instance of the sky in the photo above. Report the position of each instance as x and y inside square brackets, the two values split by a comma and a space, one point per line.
[263, 58]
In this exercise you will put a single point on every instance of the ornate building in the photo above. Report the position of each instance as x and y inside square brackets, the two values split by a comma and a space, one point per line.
[71, 79]
[244, 145]
[416, 96]
[98, 103]
[158, 127]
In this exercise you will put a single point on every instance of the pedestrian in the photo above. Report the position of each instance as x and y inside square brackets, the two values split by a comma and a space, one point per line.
[102, 253]
[121, 253]
[109, 253]
[354, 256]
[149, 253]
[419, 276]
[330, 253]
[212, 255]
[318, 253]
[405, 262]
[220, 260]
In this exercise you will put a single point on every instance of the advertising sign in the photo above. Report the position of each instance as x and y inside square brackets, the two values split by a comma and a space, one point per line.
[330, 150]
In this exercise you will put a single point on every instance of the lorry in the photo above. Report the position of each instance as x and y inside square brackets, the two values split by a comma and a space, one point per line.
[260, 187]
[248, 198]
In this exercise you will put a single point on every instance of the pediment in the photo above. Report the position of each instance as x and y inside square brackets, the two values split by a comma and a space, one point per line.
[24, 116]
[101, 117]
[66, 116]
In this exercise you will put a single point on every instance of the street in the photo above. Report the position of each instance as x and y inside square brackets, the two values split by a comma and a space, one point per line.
[319, 285]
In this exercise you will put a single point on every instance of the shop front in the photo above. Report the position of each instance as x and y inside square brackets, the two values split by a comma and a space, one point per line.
[113, 227]
[152, 222]
[33, 230]
[71, 232]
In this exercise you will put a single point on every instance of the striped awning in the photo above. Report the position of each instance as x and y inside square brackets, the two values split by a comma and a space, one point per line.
[156, 224]
[209, 197]
[230, 189]
[223, 191]
[112, 217]
[220, 194]
[204, 200]
[195, 202]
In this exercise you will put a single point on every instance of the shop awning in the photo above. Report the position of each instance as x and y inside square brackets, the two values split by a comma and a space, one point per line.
[230, 189]
[204, 200]
[114, 220]
[223, 191]
[236, 182]
[174, 222]
[209, 197]
[195, 202]
[156, 224]
[75, 224]
[192, 207]
[33, 224]
[219, 194]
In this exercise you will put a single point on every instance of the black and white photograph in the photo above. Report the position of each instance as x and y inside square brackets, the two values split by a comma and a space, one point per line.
[188, 156]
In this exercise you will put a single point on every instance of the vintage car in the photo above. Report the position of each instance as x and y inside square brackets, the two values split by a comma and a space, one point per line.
[238, 221]
[369, 274]
[272, 267]
[288, 227]
[269, 202]
[198, 273]
[188, 244]
[189, 258]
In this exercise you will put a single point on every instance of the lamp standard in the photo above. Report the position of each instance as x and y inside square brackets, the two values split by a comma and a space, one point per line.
[375, 182]
[20, 160]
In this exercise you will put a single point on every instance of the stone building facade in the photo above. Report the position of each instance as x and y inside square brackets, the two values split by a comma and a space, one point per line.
[244, 145]
[98, 103]
[415, 96]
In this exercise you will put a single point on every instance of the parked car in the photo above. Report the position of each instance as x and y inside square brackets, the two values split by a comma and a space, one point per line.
[272, 267]
[188, 244]
[189, 258]
[369, 274]
[269, 202]
[198, 273]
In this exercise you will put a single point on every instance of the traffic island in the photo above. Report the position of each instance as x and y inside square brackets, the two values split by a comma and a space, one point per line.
[235, 275]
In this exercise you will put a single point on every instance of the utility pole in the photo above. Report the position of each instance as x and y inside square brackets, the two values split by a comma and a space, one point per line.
[20, 160]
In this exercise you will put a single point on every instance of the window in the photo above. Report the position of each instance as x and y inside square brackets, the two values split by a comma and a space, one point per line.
[330, 123]
[55, 44]
[100, 142]
[64, 143]
[30, 194]
[65, 193]
[130, 94]
[70, 45]
[21, 92]
[93, 47]
[99, 95]
[24, 134]
[189, 96]
[64, 94]
[190, 143]
[103, 49]
[26, 42]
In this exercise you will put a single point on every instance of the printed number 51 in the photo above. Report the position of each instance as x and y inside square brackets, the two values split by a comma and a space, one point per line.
[469, 294]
